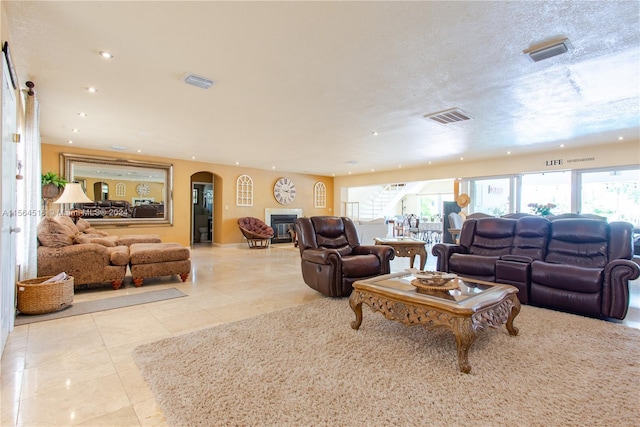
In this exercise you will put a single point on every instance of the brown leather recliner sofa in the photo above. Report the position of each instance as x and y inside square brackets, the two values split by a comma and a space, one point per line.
[576, 265]
[332, 257]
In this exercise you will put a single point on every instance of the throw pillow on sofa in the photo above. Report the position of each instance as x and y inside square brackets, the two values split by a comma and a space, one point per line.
[53, 234]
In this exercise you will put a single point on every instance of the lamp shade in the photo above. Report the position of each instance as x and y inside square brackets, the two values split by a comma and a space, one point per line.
[73, 193]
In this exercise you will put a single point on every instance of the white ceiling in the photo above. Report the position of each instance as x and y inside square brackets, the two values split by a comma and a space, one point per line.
[302, 86]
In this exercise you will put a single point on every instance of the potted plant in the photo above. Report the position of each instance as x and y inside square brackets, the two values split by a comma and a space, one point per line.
[51, 184]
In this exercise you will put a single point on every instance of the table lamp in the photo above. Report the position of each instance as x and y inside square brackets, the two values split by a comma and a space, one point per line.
[73, 194]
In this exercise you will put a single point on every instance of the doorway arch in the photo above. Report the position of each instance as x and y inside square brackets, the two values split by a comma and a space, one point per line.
[205, 212]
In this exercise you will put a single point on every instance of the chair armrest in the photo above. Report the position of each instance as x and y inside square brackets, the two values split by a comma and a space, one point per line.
[443, 252]
[119, 255]
[517, 258]
[381, 251]
[617, 273]
[52, 261]
[319, 256]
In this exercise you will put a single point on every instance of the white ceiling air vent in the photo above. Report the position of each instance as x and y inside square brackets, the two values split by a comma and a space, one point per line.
[198, 81]
[446, 117]
[547, 51]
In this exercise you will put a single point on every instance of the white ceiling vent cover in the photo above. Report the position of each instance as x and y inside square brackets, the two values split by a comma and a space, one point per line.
[446, 117]
[198, 81]
[540, 53]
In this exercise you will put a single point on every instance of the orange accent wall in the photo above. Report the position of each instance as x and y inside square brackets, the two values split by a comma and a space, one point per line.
[226, 213]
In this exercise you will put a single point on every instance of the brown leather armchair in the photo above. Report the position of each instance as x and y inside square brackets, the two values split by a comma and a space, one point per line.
[332, 257]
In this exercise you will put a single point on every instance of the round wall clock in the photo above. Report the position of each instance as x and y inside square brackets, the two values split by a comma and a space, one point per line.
[143, 190]
[284, 191]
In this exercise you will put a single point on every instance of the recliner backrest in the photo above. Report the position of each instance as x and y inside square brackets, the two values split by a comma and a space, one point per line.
[333, 233]
[490, 236]
[531, 237]
[580, 242]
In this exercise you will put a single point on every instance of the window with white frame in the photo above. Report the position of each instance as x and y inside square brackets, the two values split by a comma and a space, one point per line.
[320, 195]
[244, 191]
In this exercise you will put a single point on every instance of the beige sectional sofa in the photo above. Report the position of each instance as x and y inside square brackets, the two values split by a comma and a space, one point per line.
[87, 254]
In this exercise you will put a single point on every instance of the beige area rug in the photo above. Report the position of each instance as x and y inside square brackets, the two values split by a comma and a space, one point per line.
[305, 366]
[103, 304]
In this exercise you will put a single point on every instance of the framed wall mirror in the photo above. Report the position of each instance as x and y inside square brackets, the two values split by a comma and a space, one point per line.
[124, 192]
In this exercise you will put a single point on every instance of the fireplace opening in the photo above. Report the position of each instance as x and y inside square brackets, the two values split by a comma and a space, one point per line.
[281, 225]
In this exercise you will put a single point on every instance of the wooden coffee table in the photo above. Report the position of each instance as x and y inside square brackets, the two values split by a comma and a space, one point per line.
[465, 311]
[406, 247]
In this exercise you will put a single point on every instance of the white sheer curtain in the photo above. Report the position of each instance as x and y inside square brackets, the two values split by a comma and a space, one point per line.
[30, 209]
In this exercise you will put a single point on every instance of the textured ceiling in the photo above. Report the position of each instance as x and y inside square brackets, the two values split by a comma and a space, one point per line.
[302, 86]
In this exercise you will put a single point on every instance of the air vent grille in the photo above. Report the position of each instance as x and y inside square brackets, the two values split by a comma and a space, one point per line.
[446, 117]
[198, 81]
[549, 51]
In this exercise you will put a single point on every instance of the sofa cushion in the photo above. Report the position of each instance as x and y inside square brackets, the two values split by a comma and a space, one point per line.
[473, 265]
[581, 242]
[53, 234]
[109, 241]
[148, 253]
[567, 277]
[82, 225]
[94, 231]
[360, 265]
[68, 222]
[493, 236]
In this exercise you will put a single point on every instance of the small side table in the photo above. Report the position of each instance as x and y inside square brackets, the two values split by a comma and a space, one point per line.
[406, 247]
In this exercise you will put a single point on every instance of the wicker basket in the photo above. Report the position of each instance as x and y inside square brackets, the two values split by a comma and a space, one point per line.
[35, 297]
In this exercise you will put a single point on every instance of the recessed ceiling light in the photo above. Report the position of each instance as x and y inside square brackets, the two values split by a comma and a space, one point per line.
[193, 157]
[508, 152]
[399, 166]
[237, 163]
[461, 158]
[139, 151]
[429, 162]
[373, 170]
[106, 54]
[82, 114]
[69, 142]
[92, 89]
[620, 138]
[75, 130]
[561, 145]
[374, 133]
[273, 167]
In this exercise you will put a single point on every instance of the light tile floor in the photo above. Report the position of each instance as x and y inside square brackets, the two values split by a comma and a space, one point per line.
[79, 370]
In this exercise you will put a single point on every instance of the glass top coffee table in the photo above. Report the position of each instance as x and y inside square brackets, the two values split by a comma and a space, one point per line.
[466, 311]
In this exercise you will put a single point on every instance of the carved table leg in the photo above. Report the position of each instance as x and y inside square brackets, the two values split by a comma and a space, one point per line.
[465, 336]
[357, 309]
[513, 330]
[423, 258]
[412, 259]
